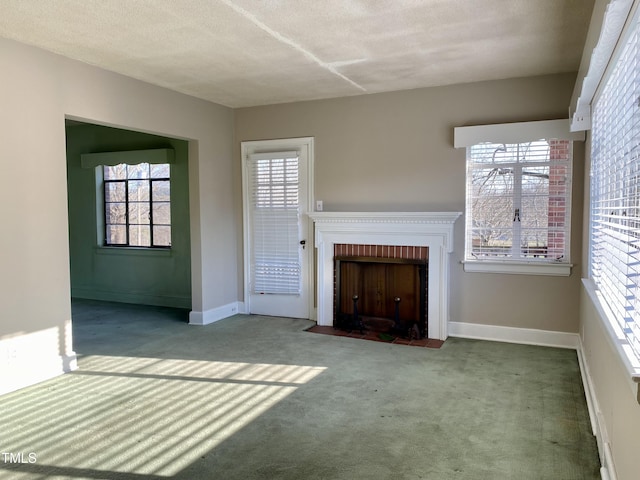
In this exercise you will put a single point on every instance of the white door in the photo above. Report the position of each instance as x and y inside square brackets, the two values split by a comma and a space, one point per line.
[276, 176]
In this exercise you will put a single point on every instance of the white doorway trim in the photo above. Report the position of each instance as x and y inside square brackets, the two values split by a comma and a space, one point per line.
[247, 148]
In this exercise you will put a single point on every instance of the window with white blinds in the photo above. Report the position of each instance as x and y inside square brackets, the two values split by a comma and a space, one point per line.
[615, 192]
[519, 201]
[274, 216]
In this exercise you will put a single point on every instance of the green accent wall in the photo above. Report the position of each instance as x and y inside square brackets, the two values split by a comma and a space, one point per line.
[130, 275]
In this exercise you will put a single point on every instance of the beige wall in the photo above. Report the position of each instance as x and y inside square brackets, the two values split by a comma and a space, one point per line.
[394, 152]
[616, 407]
[614, 396]
[36, 92]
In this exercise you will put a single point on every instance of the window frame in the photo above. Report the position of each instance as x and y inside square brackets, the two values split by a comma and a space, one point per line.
[608, 307]
[515, 163]
[517, 264]
[126, 181]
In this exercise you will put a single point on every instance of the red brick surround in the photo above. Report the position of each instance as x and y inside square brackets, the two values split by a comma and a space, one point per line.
[381, 251]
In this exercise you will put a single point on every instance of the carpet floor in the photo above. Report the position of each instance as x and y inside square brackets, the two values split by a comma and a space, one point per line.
[375, 336]
[254, 397]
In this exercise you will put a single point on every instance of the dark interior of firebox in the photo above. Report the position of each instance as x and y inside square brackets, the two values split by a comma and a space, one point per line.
[386, 295]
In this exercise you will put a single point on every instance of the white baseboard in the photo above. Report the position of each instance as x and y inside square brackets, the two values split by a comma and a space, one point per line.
[607, 470]
[214, 314]
[526, 336]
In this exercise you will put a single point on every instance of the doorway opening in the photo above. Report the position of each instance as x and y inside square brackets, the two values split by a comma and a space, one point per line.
[104, 267]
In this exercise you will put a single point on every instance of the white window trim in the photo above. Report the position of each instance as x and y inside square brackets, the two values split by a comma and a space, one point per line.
[599, 49]
[517, 133]
[518, 267]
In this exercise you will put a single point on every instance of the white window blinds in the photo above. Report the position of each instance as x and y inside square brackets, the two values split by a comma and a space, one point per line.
[615, 192]
[275, 236]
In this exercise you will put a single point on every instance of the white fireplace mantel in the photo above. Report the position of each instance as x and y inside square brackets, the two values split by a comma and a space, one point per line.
[421, 229]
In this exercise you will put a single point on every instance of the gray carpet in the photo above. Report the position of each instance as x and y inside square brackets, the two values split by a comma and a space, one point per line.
[259, 398]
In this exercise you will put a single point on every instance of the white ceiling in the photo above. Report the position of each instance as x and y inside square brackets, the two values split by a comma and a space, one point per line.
[254, 52]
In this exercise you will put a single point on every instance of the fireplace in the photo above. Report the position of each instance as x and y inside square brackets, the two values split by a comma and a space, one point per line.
[382, 288]
[433, 230]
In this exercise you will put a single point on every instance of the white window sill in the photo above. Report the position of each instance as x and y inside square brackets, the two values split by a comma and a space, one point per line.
[518, 268]
[629, 359]
[135, 251]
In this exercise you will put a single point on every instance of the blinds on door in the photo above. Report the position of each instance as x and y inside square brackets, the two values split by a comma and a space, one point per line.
[274, 223]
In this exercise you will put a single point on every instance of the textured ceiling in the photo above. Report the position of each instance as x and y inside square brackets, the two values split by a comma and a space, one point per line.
[254, 52]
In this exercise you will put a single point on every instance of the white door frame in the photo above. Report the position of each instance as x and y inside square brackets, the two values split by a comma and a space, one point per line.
[264, 146]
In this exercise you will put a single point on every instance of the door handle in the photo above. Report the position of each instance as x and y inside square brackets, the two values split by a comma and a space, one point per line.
[303, 243]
